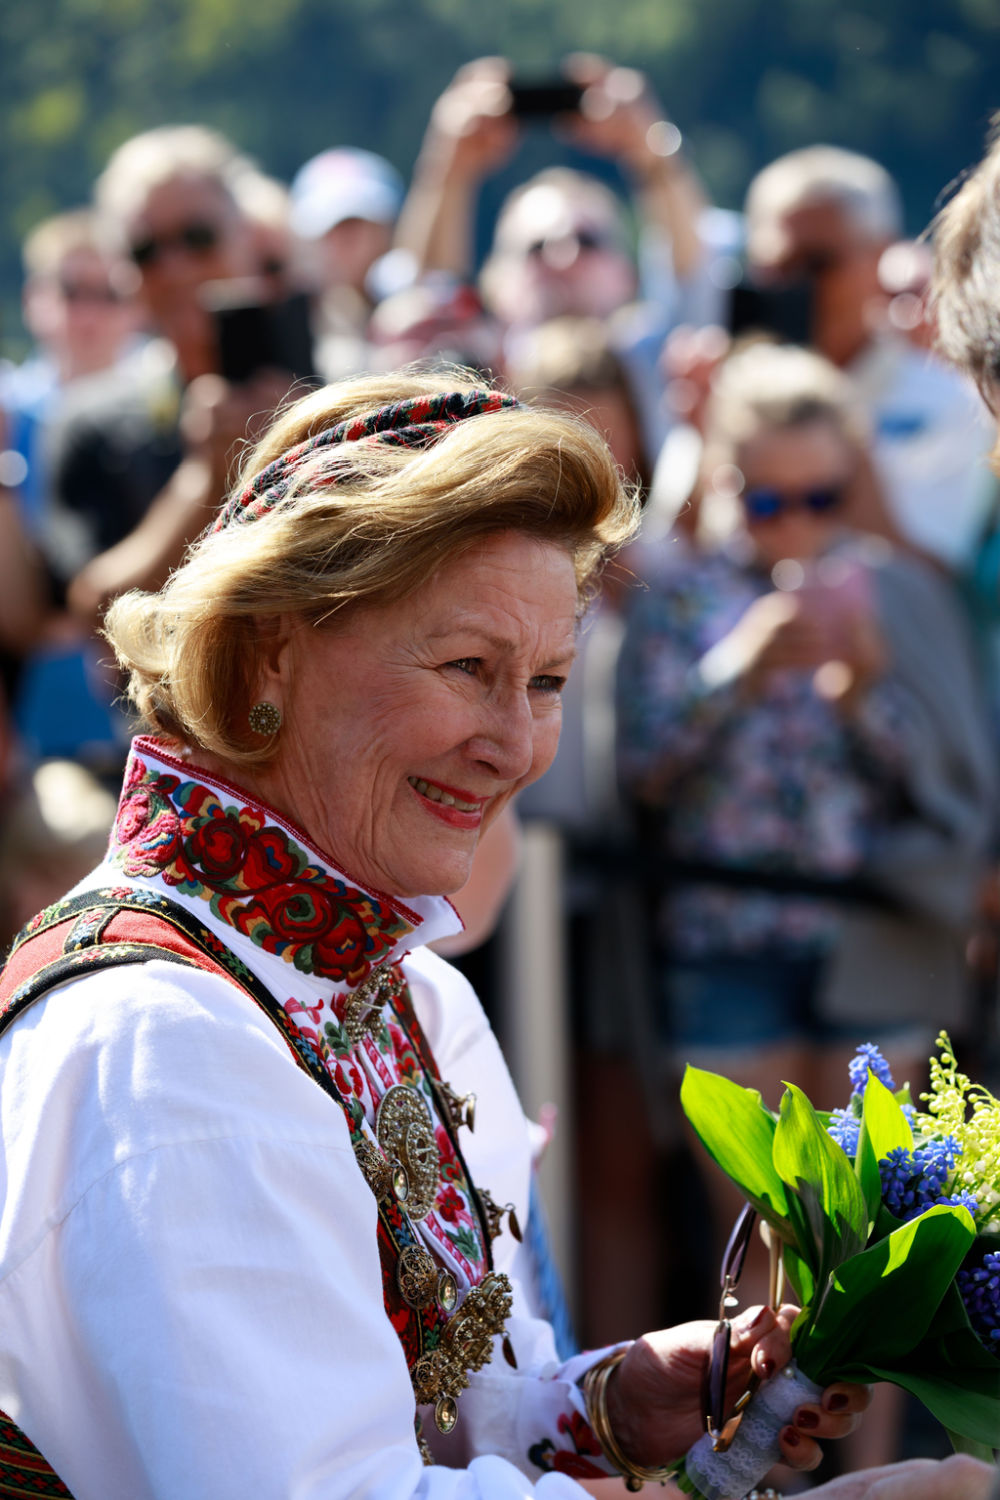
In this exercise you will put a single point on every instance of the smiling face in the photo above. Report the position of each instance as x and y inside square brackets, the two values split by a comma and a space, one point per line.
[407, 727]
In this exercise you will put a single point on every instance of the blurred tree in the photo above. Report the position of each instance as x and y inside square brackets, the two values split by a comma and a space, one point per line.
[745, 79]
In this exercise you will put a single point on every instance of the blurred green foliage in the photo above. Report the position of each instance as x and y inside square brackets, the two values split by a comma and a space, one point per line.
[745, 79]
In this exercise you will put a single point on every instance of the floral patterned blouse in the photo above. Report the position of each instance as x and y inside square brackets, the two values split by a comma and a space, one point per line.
[782, 782]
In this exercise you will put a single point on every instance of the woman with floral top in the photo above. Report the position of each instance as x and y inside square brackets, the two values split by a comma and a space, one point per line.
[800, 709]
[249, 1244]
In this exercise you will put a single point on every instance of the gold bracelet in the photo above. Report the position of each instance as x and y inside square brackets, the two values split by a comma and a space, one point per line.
[595, 1395]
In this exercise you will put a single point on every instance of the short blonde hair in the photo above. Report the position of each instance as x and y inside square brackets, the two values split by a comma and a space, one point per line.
[52, 240]
[966, 268]
[764, 387]
[363, 523]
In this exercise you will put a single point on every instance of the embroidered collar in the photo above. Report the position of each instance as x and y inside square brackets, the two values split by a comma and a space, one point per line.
[259, 874]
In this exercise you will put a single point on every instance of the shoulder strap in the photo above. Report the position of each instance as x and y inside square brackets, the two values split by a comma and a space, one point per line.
[104, 928]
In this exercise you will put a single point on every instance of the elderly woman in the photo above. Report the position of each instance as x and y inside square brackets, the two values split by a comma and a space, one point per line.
[249, 1244]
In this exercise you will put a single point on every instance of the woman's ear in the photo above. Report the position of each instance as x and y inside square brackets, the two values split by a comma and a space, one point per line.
[275, 637]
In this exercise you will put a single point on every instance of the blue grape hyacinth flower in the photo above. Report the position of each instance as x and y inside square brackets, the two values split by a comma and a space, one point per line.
[980, 1290]
[868, 1056]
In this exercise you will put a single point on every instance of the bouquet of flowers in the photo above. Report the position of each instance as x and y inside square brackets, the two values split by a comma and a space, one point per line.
[887, 1219]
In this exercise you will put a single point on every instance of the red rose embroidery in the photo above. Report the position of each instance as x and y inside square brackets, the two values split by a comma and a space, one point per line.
[348, 1078]
[217, 848]
[133, 815]
[254, 874]
[450, 1206]
[579, 1432]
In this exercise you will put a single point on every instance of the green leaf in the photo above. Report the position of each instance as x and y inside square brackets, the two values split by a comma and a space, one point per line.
[823, 1184]
[957, 1401]
[883, 1127]
[800, 1276]
[737, 1132]
[983, 1451]
[881, 1303]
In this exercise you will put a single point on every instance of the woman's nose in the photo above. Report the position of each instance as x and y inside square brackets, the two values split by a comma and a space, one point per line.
[506, 742]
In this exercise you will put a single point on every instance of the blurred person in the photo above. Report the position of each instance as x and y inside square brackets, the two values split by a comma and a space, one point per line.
[266, 205]
[802, 735]
[435, 320]
[143, 455]
[344, 206]
[79, 308]
[904, 273]
[23, 601]
[572, 362]
[824, 217]
[561, 243]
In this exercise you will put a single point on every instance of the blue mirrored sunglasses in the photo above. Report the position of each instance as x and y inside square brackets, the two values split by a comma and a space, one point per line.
[764, 503]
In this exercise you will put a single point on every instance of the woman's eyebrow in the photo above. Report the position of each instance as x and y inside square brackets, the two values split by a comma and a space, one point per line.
[499, 643]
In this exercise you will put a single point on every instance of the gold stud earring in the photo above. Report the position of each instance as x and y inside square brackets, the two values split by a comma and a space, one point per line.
[264, 718]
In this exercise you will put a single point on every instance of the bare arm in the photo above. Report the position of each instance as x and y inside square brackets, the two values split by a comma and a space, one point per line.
[216, 418]
[22, 587]
[621, 117]
[470, 134]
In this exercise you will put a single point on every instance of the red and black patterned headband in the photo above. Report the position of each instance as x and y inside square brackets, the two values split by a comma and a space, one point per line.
[416, 423]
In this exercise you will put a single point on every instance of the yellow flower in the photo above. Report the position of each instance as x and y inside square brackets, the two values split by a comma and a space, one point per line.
[971, 1114]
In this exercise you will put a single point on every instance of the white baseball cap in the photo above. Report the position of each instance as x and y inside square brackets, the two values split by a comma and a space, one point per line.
[344, 183]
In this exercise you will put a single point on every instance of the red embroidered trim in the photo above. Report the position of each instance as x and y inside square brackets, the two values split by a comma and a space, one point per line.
[253, 874]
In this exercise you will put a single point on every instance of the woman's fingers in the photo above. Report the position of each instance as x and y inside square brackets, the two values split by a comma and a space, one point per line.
[798, 1450]
[821, 1424]
[846, 1396]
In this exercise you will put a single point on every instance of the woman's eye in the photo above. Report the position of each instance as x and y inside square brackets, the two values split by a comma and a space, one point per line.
[468, 664]
[546, 683]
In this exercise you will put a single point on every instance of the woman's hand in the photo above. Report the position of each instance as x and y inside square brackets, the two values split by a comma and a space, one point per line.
[655, 1396]
[471, 131]
[775, 633]
[957, 1478]
[617, 113]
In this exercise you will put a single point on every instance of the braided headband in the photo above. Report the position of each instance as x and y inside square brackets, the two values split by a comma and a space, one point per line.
[416, 423]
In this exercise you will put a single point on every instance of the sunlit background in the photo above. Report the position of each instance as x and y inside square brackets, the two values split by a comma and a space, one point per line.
[912, 85]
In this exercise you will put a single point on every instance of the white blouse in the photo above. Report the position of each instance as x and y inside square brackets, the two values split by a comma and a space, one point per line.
[191, 1303]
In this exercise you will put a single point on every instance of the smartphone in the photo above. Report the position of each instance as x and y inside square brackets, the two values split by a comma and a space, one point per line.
[553, 96]
[255, 334]
[784, 312]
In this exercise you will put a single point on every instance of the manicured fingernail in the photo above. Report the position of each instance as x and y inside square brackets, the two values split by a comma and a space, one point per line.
[790, 1437]
[807, 1419]
[835, 1403]
[767, 1368]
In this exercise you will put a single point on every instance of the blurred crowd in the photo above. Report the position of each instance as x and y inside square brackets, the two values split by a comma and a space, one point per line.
[778, 782]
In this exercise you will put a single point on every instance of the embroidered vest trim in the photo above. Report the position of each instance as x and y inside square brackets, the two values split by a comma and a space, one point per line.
[122, 925]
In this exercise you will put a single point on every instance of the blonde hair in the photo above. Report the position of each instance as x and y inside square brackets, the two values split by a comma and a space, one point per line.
[362, 523]
[966, 267]
[766, 387]
[50, 242]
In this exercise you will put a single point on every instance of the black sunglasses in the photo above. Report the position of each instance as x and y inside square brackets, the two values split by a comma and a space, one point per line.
[765, 503]
[197, 238]
[78, 292]
[586, 239]
[720, 1425]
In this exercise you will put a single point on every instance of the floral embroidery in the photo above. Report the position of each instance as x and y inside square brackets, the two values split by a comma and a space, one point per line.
[578, 1462]
[253, 874]
[410, 1069]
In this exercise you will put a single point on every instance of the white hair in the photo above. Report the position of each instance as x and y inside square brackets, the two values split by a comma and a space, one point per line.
[145, 161]
[828, 174]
